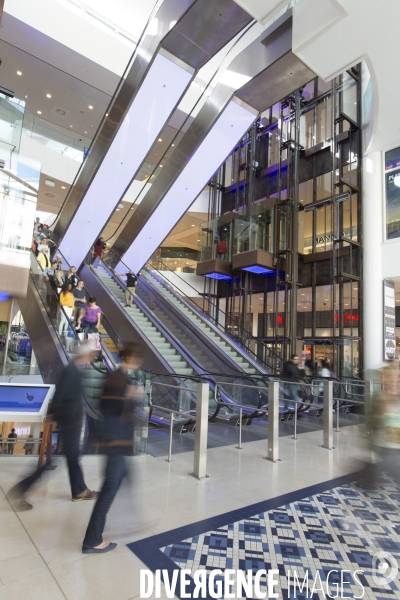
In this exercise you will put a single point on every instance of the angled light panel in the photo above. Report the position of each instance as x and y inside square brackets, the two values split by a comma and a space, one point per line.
[229, 128]
[158, 95]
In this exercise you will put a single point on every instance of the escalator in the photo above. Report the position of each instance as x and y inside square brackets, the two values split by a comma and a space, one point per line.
[166, 349]
[53, 351]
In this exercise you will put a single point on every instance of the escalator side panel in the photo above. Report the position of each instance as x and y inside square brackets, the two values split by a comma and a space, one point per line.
[51, 358]
[120, 322]
[222, 361]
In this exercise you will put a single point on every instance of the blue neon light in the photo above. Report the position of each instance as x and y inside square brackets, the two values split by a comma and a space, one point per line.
[4, 296]
[258, 270]
[219, 276]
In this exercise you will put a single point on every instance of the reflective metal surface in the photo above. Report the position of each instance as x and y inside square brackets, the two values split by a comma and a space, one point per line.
[170, 10]
[205, 29]
[202, 28]
[125, 328]
[51, 358]
[257, 60]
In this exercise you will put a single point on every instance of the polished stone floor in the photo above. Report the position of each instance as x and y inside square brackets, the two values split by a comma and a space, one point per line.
[40, 550]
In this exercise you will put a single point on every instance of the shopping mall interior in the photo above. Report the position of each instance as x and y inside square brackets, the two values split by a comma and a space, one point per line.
[223, 179]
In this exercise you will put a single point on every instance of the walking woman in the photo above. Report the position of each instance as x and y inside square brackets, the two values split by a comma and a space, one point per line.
[120, 396]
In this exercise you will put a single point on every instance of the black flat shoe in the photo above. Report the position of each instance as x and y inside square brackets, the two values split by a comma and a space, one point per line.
[108, 548]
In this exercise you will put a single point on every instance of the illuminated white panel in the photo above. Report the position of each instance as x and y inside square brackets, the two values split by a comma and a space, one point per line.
[158, 95]
[230, 127]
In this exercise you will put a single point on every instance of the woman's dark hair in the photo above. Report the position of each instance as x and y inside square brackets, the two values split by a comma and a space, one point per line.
[130, 350]
[324, 364]
[65, 286]
[92, 299]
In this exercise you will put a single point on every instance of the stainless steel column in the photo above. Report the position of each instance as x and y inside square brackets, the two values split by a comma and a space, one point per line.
[200, 443]
[368, 393]
[273, 421]
[328, 415]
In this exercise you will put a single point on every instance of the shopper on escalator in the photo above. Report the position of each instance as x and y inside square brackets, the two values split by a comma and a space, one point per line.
[291, 370]
[43, 258]
[131, 283]
[67, 304]
[90, 318]
[71, 277]
[99, 247]
[49, 275]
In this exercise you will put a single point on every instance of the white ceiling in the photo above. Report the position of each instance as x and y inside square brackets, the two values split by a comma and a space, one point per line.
[67, 93]
[332, 35]
[262, 10]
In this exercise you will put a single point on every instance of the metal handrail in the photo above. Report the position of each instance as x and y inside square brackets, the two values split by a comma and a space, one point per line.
[194, 307]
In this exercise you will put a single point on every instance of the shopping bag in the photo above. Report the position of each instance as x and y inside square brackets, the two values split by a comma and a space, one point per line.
[94, 341]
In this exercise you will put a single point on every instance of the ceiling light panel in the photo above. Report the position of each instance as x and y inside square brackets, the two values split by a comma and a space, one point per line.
[229, 128]
[158, 95]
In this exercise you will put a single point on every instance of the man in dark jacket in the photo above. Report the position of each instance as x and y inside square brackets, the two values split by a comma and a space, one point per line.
[291, 370]
[120, 397]
[66, 408]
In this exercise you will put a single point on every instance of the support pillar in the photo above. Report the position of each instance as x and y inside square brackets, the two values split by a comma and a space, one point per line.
[372, 293]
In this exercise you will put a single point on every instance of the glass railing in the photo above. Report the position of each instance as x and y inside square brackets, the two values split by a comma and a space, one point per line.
[53, 137]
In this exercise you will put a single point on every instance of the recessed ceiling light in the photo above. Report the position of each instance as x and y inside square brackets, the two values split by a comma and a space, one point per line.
[48, 95]
[173, 144]
[70, 125]
[19, 73]
[193, 225]
[85, 131]
[39, 112]
[106, 114]
[346, 304]
[26, 96]
[90, 106]
[63, 187]
[49, 182]
[161, 166]
[159, 139]
[117, 209]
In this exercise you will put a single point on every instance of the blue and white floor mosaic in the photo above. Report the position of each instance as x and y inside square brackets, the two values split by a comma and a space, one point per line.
[344, 529]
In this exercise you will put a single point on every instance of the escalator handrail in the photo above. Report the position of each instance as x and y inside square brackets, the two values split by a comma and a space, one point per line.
[92, 410]
[193, 306]
[71, 325]
[109, 327]
[189, 325]
[170, 288]
[153, 318]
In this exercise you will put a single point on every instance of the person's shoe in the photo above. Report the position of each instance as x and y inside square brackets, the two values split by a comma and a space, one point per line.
[111, 546]
[21, 505]
[86, 495]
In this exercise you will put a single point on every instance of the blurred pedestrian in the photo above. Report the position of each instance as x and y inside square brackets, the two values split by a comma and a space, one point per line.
[383, 423]
[291, 370]
[67, 410]
[12, 439]
[120, 396]
[28, 447]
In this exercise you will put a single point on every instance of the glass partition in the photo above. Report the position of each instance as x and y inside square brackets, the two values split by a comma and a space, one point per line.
[255, 230]
[216, 238]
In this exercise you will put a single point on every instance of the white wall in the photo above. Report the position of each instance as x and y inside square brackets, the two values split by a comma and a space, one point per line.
[53, 163]
[390, 259]
[183, 282]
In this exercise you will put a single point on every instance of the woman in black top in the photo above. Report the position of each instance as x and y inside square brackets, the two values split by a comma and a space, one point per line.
[118, 407]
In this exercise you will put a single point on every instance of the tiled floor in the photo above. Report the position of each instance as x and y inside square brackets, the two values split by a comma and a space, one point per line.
[40, 550]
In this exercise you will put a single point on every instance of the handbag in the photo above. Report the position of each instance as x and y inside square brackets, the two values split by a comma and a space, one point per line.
[94, 341]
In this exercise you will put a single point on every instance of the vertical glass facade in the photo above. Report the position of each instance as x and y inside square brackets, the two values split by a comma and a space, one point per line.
[294, 186]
